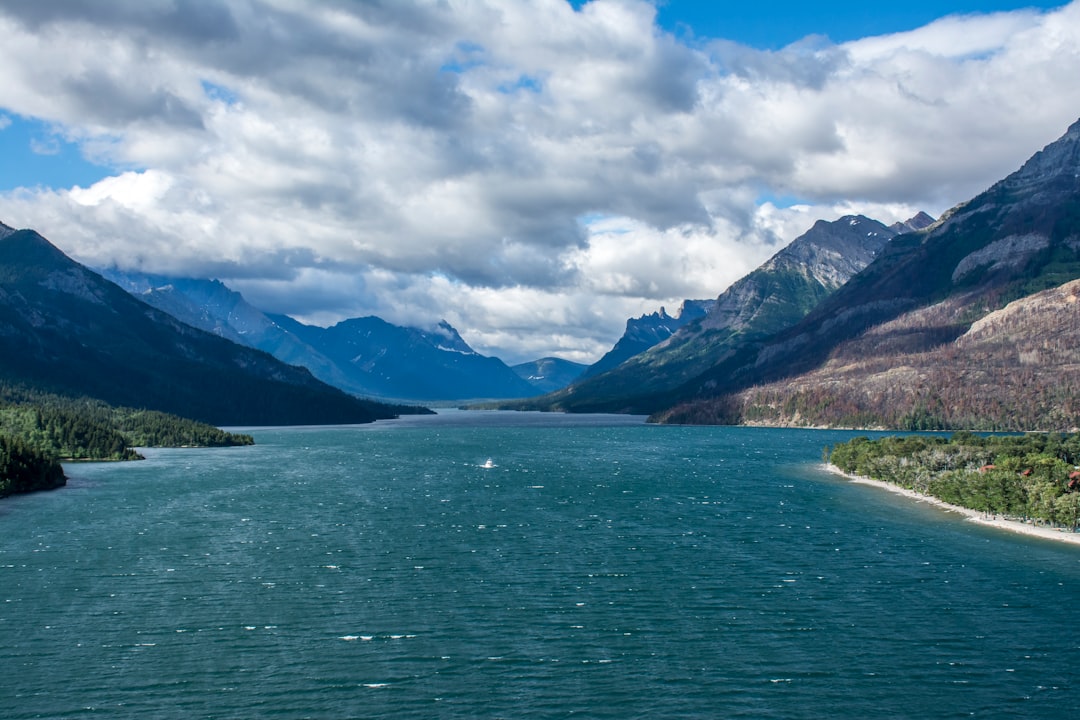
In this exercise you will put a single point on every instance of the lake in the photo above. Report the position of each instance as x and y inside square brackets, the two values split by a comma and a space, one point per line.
[601, 568]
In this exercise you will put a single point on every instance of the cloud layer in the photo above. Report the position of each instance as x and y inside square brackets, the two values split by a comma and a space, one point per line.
[531, 173]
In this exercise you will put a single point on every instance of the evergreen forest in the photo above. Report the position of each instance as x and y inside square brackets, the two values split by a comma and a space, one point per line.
[39, 430]
[1032, 478]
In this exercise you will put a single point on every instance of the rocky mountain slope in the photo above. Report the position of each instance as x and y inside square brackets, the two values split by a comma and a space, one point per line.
[1015, 369]
[67, 330]
[925, 293]
[773, 297]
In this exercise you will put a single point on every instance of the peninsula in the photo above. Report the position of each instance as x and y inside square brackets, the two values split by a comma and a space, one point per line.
[1028, 484]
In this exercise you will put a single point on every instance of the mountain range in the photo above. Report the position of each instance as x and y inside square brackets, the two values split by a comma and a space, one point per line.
[363, 356]
[968, 321]
[646, 332]
[965, 322]
[65, 329]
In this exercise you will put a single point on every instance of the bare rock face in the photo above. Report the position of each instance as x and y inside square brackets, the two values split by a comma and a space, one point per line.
[1008, 252]
[1058, 160]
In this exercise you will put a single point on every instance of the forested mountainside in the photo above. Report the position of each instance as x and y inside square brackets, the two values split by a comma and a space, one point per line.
[64, 329]
[86, 429]
[926, 330]
[773, 297]
[37, 430]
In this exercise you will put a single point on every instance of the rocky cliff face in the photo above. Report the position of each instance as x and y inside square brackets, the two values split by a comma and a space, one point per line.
[813, 265]
[646, 331]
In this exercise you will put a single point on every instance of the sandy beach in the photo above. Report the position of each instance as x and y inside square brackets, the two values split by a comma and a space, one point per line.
[1016, 526]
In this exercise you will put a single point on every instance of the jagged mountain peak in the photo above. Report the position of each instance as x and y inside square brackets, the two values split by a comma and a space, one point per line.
[920, 221]
[647, 331]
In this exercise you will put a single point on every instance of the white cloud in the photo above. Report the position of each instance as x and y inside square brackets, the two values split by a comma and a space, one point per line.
[532, 173]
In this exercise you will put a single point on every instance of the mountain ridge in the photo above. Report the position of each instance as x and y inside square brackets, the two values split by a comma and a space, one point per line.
[364, 356]
[772, 297]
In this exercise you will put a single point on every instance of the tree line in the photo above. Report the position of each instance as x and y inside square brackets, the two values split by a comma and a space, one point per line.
[24, 469]
[1033, 477]
[39, 430]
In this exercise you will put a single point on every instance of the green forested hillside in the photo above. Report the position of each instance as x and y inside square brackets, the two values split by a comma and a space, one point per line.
[40, 429]
[86, 429]
[23, 469]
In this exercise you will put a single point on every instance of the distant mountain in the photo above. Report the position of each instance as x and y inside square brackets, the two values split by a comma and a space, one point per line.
[773, 297]
[919, 222]
[923, 317]
[363, 356]
[67, 330]
[210, 305]
[647, 331]
[409, 363]
[549, 374]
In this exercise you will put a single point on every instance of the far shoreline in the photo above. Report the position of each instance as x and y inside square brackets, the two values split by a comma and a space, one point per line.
[975, 516]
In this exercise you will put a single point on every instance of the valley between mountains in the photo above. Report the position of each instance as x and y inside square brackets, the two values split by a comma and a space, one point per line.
[969, 321]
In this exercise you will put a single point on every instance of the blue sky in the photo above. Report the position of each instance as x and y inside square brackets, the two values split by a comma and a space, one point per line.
[772, 24]
[35, 153]
[532, 173]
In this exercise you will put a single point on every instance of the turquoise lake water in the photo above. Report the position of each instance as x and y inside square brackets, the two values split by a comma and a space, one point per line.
[602, 568]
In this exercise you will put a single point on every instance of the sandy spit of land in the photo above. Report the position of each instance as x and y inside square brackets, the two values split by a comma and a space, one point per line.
[1016, 526]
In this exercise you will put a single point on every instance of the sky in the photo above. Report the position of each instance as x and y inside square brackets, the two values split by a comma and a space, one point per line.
[534, 172]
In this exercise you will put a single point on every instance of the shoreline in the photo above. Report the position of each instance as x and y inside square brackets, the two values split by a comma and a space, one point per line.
[975, 516]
